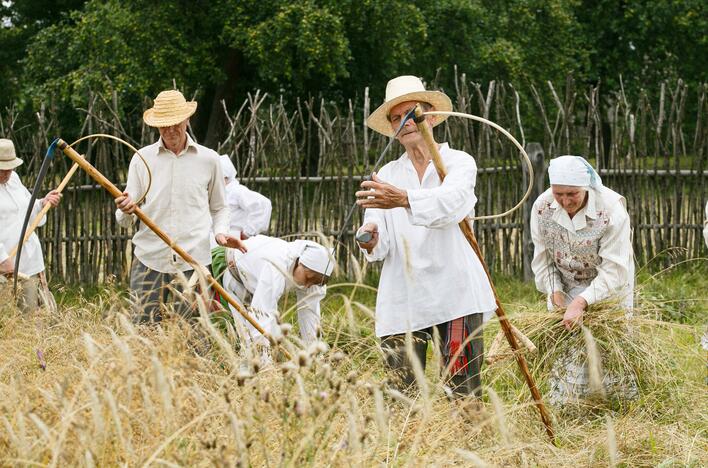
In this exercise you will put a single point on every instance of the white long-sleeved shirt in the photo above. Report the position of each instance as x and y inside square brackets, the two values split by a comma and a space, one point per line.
[589, 255]
[14, 198]
[266, 273]
[249, 210]
[186, 200]
[430, 274]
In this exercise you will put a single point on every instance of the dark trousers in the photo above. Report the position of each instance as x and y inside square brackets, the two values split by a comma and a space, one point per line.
[399, 361]
[151, 290]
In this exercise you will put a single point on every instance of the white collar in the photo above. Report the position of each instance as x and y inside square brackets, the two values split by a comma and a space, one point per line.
[579, 221]
[190, 145]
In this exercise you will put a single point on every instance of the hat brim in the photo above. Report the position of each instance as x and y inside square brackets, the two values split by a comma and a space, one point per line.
[178, 116]
[378, 120]
[6, 165]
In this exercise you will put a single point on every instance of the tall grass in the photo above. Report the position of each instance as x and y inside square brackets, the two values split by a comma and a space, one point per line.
[117, 394]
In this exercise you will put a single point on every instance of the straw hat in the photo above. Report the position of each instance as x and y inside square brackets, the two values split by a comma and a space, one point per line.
[170, 108]
[8, 159]
[402, 89]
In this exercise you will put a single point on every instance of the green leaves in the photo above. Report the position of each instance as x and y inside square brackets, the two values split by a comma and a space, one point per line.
[59, 50]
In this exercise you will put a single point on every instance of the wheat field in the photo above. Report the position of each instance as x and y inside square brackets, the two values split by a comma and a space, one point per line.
[114, 394]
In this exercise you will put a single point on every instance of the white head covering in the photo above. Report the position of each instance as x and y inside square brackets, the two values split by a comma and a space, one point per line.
[318, 258]
[227, 168]
[574, 171]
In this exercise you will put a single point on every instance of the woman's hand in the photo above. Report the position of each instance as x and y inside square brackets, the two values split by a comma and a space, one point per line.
[574, 313]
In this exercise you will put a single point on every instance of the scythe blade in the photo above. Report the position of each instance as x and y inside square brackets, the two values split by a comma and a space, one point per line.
[37, 186]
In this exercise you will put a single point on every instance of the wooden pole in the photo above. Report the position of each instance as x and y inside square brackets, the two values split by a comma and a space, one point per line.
[535, 152]
[45, 209]
[427, 134]
[115, 193]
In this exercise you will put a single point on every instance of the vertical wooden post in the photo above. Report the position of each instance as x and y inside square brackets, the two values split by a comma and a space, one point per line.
[535, 152]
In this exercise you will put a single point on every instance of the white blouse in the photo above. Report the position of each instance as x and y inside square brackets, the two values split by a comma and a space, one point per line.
[265, 271]
[589, 255]
[249, 211]
[14, 198]
[430, 274]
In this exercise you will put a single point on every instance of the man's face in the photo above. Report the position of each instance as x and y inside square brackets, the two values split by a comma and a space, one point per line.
[306, 278]
[569, 197]
[5, 175]
[410, 133]
[174, 135]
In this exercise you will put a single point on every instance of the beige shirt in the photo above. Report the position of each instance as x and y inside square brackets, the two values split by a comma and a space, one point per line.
[186, 200]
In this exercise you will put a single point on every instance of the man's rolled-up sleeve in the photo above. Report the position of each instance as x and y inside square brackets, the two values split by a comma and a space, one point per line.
[217, 202]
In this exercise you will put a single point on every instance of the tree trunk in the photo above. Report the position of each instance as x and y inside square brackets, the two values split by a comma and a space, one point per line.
[225, 91]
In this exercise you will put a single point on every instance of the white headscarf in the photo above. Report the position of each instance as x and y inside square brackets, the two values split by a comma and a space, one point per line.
[227, 168]
[574, 171]
[318, 258]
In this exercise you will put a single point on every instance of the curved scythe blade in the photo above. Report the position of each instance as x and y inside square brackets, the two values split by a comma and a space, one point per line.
[37, 186]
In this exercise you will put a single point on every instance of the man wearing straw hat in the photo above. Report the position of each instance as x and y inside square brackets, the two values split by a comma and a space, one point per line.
[186, 199]
[14, 198]
[268, 270]
[582, 255]
[432, 286]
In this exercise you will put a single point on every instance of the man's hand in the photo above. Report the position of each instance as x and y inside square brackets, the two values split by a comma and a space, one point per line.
[558, 299]
[7, 267]
[125, 203]
[574, 313]
[226, 240]
[374, 230]
[379, 194]
[53, 198]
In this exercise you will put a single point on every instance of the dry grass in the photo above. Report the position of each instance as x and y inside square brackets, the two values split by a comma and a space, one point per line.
[113, 394]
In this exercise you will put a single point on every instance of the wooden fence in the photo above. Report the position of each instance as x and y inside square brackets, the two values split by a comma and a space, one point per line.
[309, 159]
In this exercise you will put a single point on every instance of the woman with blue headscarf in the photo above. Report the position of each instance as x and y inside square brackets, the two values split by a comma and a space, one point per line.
[582, 251]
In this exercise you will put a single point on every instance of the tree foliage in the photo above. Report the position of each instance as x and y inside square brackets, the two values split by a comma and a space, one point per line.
[56, 51]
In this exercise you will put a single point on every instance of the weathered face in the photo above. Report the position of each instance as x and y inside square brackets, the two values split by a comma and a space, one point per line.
[571, 198]
[5, 175]
[409, 134]
[174, 135]
[305, 277]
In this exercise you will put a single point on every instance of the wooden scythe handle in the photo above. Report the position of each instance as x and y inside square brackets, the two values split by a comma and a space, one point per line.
[427, 134]
[115, 193]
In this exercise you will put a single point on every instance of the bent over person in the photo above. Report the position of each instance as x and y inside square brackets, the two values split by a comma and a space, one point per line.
[269, 269]
[582, 255]
[186, 200]
[14, 199]
[432, 284]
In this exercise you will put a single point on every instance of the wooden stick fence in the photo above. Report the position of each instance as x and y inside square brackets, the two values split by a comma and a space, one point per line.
[308, 157]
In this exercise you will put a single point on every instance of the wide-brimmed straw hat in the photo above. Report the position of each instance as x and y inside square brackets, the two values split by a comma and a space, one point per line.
[8, 158]
[402, 89]
[170, 108]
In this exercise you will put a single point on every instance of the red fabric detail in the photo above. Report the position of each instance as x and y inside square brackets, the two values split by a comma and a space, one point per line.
[457, 334]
